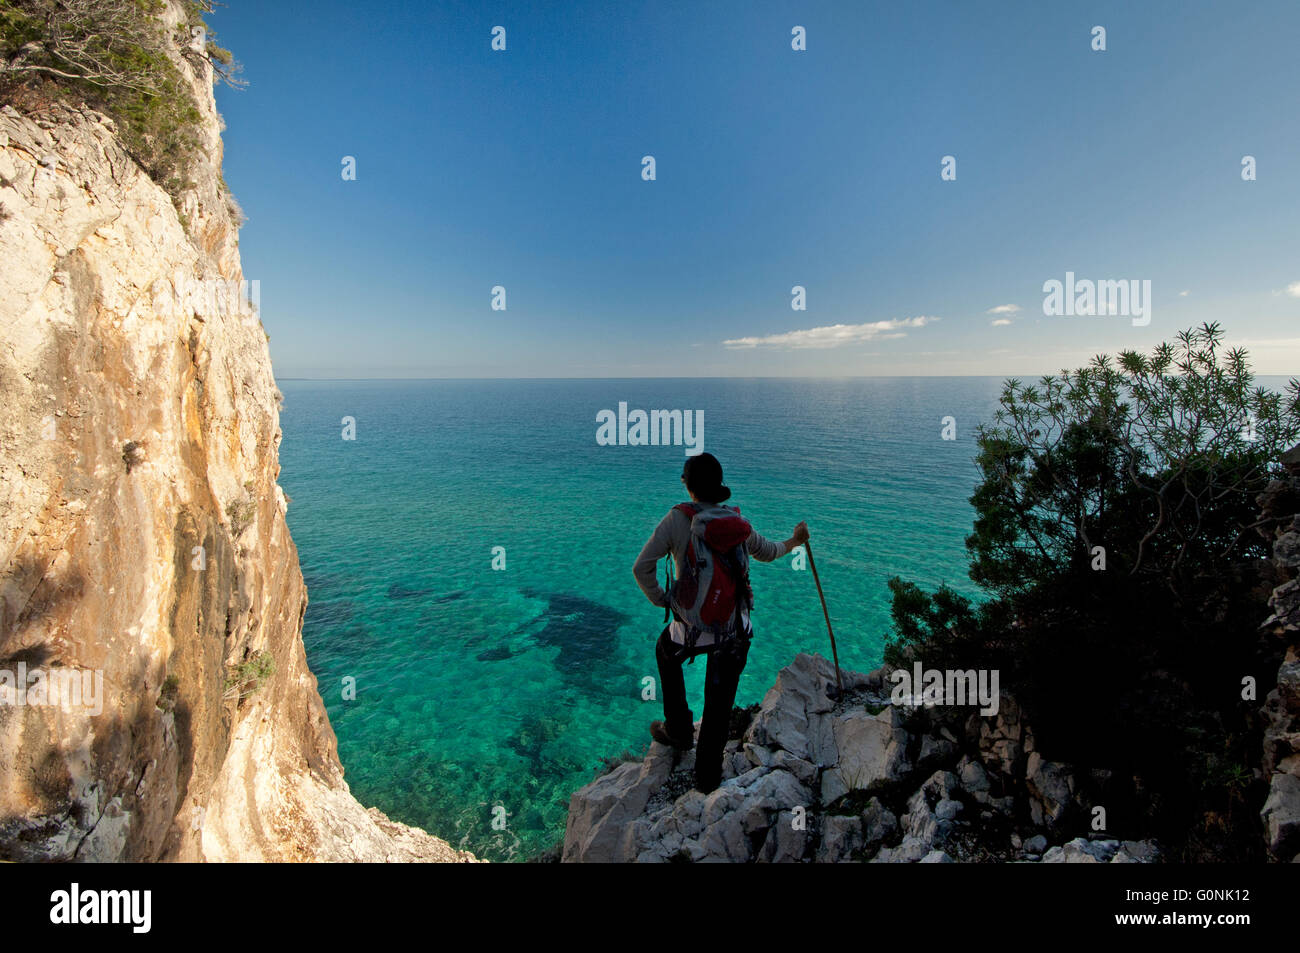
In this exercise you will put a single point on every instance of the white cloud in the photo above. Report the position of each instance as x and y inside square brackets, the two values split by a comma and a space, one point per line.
[832, 335]
[1293, 289]
[1000, 322]
[1184, 294]
[1004, 309]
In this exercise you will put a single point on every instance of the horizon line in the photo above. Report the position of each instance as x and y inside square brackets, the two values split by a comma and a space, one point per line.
[656, 377]
[729, 377]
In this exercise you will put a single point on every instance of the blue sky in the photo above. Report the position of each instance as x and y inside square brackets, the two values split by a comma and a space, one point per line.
[775, 168]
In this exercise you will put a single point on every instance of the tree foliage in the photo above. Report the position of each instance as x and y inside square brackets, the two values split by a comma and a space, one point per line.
[1156, 459]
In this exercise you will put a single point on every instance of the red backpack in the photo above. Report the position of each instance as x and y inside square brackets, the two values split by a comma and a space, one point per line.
[714, 585]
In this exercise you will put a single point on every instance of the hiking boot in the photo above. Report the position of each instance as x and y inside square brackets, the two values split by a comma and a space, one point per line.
[659, 732]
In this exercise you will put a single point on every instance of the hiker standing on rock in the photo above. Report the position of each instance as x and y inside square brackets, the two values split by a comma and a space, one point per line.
[710, 602]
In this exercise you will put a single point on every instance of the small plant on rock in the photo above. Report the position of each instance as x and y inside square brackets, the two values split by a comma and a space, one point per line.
[248, 676]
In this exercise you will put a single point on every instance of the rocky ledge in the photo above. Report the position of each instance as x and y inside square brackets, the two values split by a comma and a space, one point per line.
[855, 779]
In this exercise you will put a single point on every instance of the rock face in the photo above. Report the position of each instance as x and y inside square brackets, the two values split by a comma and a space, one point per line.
[816, 779]
[142, 532]
[1281, 767]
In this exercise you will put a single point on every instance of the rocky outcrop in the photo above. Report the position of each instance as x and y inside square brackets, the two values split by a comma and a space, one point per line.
[818, 779]
[143, 541]
[1281, 753]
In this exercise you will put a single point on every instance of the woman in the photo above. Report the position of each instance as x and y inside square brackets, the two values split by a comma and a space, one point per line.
[727, 646]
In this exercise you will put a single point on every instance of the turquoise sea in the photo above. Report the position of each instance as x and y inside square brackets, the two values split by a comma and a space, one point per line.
[478, 688]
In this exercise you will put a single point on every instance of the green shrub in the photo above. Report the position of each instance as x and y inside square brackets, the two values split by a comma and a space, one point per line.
[113, 56]
[247, 677]
[241, 514]
[1116, 538]
[169, 693]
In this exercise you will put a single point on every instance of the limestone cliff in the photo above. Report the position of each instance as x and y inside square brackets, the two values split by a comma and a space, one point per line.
[142, 531]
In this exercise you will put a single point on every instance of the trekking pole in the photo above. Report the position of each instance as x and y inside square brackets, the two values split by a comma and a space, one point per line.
[839, 687]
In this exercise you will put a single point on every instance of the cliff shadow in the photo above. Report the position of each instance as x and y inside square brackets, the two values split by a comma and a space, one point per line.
[29, 594]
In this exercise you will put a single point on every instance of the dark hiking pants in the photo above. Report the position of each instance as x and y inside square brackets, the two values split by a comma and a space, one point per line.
[720, 680]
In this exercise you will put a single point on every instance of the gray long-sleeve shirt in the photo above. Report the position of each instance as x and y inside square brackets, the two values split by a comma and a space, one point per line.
[672, 536]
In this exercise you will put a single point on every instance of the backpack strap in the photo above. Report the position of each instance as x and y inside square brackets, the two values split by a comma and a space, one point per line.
[668, 585]
[690, 509]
